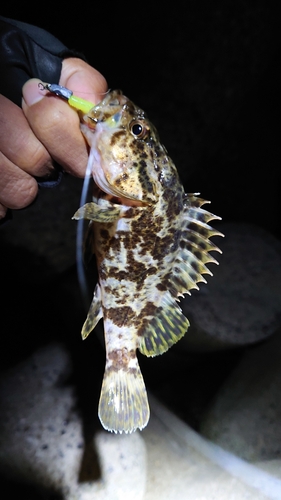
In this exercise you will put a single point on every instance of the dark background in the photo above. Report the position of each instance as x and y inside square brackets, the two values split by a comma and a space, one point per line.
[208, 76]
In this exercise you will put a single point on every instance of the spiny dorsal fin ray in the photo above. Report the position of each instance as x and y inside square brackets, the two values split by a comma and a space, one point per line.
[193, 254]
[94, 314]
[194, 212]
[123, 405]
[198, 242]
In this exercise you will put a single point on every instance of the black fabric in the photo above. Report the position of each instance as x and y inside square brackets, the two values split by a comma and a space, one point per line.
[28, 52]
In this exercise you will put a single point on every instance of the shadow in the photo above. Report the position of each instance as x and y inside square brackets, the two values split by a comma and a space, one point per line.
[39, 306]
[88, 362]
[30, 492]
[186, 382]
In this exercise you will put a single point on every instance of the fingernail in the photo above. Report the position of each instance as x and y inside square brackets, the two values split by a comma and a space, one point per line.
[31, 92]
[5, 215]
[3, 211]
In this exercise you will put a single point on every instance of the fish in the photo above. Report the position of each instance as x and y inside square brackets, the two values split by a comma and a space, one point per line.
[151, 242]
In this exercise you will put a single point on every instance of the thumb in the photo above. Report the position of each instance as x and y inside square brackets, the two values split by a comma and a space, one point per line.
[83, 80]
[56, 124]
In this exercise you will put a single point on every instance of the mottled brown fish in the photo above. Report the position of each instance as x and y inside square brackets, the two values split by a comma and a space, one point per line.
[152, 243]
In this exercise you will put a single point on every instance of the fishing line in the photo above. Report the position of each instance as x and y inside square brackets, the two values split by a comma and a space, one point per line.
[83, 106]
[81, 274]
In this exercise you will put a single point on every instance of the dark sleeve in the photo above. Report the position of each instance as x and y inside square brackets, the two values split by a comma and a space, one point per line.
[28, 52]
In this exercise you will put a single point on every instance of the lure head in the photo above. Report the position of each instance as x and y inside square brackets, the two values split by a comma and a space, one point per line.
[126, 153]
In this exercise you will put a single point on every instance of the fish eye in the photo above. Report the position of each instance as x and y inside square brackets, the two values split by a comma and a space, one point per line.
[138, 129]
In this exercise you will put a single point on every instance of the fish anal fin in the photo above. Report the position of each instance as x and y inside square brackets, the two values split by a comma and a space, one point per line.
[94, 314]
[123, 405]
[166, 326]
[98, 213]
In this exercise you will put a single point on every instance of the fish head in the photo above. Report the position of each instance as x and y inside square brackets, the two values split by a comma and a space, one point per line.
[125, 150]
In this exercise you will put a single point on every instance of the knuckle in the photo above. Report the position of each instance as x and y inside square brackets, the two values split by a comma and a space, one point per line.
[16, 194]
[25, 193]
[38, 160]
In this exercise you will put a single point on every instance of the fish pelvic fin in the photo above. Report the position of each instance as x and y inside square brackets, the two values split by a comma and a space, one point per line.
[123, 405]
[94, 313]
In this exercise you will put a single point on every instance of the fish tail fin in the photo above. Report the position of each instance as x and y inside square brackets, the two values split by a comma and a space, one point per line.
[123, 405]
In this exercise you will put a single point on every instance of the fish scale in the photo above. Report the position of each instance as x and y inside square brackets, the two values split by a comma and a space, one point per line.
[152, 244]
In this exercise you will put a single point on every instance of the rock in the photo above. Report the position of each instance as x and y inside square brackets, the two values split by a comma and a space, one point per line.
[273, 467]
[245, 416]
[43, 443]
[183, 464]
[241, 304]
[123, 464]
[41, 436]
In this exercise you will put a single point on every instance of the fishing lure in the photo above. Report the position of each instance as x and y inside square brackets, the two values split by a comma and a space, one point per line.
[66, 94]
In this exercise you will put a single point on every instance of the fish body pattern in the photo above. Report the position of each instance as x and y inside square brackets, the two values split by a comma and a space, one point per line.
[151, 241]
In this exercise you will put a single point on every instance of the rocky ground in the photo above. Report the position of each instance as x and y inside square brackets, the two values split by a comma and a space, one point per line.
[208, 77]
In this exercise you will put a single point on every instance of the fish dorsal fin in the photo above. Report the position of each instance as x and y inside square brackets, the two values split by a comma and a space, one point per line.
[94, 313]
[193, 254]
[166, 324]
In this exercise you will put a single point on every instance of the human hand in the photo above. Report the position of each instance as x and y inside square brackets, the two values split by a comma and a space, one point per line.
[45, 130]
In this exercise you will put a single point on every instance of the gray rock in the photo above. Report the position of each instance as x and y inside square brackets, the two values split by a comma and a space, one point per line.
[41, 435]
[186, 465]
[41, 440]
[241, 304]
[123, 463]
[245, 416]
[273, 467]
[42, 444]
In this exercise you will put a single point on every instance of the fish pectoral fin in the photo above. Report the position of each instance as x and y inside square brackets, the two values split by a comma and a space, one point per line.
[98, 213]
[123, 405]
[162, 330]
[94, 314]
